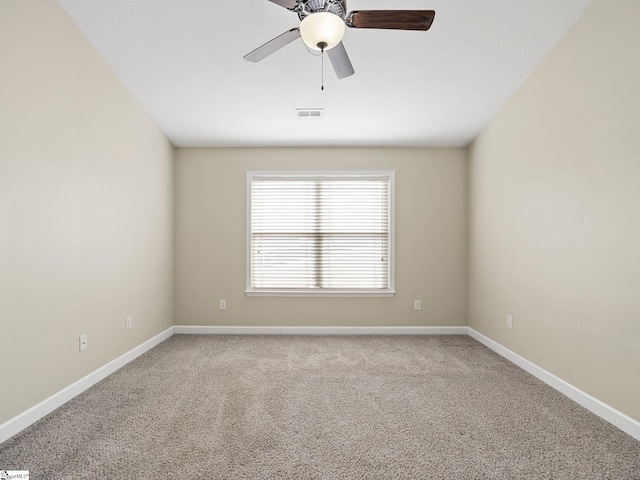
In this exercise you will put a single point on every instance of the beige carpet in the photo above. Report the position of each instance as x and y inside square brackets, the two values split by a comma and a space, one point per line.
[281, 407]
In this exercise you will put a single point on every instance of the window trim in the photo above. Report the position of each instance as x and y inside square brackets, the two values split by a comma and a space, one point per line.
[389, 292]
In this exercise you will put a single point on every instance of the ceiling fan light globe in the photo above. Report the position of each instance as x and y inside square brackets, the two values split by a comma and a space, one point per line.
[322, 27]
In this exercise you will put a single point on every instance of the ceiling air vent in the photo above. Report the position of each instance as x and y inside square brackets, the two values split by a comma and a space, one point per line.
[309, 112]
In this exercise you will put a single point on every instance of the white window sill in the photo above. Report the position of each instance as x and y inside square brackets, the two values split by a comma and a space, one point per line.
[320, 293]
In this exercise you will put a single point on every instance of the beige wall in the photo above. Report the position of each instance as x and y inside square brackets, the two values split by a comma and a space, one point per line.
[85, 209]
[430, 238]
[555, 211]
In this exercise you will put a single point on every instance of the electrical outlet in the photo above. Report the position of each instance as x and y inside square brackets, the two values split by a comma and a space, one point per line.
[83, 342]
[129, 323]
[417, 305]
[509, 321]
[223, 304]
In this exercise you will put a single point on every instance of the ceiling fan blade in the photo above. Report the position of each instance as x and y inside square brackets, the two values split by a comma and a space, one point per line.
[391, 19]
[273, 45]
[340, 61]
[288, 4]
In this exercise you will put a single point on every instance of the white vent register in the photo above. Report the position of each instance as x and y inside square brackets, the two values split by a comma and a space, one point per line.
[309, 112]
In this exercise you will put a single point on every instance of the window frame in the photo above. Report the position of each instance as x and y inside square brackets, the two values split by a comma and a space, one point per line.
[388, 292]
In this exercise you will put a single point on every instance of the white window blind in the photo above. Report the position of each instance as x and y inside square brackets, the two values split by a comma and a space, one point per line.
[320, 233]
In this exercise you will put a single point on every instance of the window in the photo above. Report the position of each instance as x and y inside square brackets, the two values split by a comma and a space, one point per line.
[322, 233]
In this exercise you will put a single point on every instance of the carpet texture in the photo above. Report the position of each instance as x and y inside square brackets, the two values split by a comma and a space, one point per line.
[321, 407]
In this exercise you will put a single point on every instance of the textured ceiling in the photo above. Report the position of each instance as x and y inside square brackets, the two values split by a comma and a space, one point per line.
[182, 60]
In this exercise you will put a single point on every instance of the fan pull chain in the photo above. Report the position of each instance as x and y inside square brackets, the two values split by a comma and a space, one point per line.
[322, 46]
[322, 72]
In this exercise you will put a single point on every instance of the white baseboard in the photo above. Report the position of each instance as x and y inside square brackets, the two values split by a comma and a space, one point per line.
[604, 411]
[35, 413]
[292, 330]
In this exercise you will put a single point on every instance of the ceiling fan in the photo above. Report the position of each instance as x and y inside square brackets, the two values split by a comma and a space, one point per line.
[323, 24]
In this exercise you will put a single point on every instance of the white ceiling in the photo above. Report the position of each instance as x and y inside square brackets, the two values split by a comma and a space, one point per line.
[182, 60]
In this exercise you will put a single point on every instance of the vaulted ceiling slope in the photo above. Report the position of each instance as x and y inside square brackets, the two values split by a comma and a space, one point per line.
[183, 61]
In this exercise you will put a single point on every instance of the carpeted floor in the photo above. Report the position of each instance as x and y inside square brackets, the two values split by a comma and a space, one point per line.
[321, 407]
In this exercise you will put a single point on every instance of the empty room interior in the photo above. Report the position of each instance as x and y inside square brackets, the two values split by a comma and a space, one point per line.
[410, 253]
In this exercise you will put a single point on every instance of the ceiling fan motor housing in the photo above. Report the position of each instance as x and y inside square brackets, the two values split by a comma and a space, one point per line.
[306, 8]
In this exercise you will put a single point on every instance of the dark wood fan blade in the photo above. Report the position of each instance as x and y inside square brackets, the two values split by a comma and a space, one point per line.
[340, 61]
[392, 19]
[289, 4]
[273, 45]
